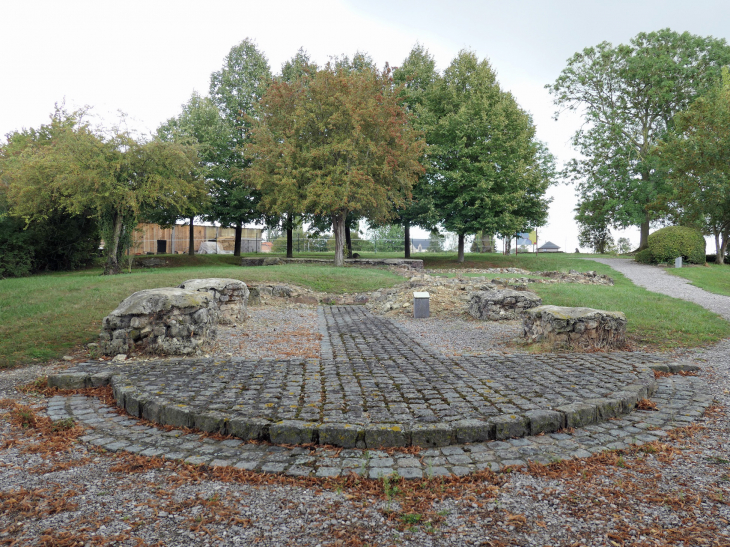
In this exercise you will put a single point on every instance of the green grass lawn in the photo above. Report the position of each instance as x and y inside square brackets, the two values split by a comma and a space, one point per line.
[714, 278]
[44, 316]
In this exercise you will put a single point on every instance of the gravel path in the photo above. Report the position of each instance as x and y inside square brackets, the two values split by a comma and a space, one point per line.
[658, 280]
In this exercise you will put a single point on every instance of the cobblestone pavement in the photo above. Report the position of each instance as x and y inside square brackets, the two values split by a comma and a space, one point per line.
[679, 399]
[376, 387]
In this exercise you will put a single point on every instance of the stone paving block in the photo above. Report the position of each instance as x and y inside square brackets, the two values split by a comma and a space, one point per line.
[508, 426]
[247, 465]
[410, 472]
[69, 380]
[544, 421]
[299, 471]
[328, 472]
[176, 415]
[492, 466]
[377, 436]
[578, 414]
[606, 408]
[249, 429]
[273, 467]
[431, 435]
[474, 431]
[432, 472]
[381, 462]
[292, 432]
[459, 459]
[344, 435]
[197, 460]
[408, 462]
[210, 422]
[380, 472]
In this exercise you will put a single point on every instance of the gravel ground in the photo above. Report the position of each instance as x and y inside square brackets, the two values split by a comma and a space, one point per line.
[460, 337]
[59, 493]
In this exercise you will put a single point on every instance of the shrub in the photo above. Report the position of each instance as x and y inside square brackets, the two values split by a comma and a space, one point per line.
[57, 243]
[673, 241]
[644, 257]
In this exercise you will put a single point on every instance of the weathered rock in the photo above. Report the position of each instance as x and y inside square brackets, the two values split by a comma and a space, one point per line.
[165, 320]
[575, 327]
[501, 305]
[230, 295]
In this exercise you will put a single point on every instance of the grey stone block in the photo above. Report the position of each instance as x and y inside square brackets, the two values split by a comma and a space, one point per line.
[377, 436]
[152, 411]
[69, 380]
[249, 429]
[344, 435]
[510, 425]
[293, 432]
[578, 414]
[210, 422]
[606, 408]
[544, 421]
[430, 435]
[474, 431]
[176, 416]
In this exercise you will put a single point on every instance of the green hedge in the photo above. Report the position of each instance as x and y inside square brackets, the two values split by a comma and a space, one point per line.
[644, 257]
[673, 241]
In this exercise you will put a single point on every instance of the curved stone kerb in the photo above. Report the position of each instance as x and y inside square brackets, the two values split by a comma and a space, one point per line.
[297, 432]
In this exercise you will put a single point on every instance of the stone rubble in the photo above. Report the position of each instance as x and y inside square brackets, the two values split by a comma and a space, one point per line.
[584, 328]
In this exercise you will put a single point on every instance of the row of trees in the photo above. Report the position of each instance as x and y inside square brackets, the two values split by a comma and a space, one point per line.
[330, 145]
[655, 142]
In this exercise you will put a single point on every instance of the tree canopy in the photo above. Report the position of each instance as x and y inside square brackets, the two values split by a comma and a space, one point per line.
[487, 171]
[107, 174]
[697, 156]
[236, 90]
[332, 143]
[628, 95]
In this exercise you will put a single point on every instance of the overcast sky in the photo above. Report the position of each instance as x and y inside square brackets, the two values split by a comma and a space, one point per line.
[146, 57]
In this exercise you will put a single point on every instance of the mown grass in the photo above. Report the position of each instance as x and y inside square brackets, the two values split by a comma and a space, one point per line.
[714, 278]
[44, 316]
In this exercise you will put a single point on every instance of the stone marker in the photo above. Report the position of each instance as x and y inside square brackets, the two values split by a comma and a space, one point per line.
[678, 262]
[575, 327]
[421, 305]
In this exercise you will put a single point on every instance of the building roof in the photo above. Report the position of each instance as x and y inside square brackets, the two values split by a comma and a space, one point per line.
[549, 245]
[422, 242]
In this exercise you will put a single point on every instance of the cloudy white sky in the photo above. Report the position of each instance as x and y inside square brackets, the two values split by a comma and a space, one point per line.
[146, 57]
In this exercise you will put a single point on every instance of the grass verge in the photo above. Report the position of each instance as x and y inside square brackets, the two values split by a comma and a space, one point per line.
[43, 316]
[714, 278]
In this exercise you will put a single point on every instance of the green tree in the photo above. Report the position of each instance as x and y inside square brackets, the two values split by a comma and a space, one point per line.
[106, 174]
[697, 156]
[417, 76]
[199, 124]
[333, 144]
[628, 95]
[236, 90]
[487, 170]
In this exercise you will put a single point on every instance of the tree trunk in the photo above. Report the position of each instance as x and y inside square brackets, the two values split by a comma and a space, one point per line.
[407, 229]
[348, 238]
[289, 225]
[486, 246]
[507, 246]
[723, 247]
[460, 258]
[191, 238]
[644, 238]
[338, 227]
[237, 239]
[112, 264]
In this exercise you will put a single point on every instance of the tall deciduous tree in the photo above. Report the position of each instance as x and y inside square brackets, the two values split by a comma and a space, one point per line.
[417, 76]
[697, 156]
[236, 90]
[628, 95]
[106, 174]
[199, 124]
[488, 172]
[335, 144]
